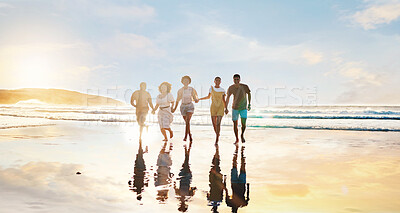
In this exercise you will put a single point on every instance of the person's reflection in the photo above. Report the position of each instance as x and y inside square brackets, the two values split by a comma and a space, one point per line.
[215, 196]
[185, 191]
[163, 176]
[139, 179]
[238, 183]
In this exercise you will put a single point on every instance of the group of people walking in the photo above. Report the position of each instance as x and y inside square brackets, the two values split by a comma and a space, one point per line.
[166, 105]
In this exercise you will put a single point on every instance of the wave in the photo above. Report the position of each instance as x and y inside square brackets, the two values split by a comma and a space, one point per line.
[334, 117]
[87, 112]
[340, 112]
[71, 119]
[329, 128]
[24, 126]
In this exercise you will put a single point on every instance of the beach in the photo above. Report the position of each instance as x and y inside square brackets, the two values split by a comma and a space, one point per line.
[75, 166]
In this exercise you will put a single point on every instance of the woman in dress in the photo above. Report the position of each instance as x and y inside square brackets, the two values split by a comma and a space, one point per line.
[165, 100]
[217, 95]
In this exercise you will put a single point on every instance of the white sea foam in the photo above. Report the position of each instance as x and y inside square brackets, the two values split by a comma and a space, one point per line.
[355, 118]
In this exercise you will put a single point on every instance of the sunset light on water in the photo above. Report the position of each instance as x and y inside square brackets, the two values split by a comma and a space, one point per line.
[199, 106]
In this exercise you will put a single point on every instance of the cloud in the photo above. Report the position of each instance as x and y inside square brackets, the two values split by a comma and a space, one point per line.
[377, 13]
[356, 72]
[312, 57]
[129, 12]
[130, 45]
[363, 85]
[5, 5]
[216, 43]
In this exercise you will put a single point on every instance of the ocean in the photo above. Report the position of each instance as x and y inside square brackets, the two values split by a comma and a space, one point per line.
[334, 117]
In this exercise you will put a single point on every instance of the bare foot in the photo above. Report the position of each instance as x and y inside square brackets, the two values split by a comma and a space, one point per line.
[237, 141]
[171, 134]
[190, 137]
[243, 140]
[165, 139]
[184, 139]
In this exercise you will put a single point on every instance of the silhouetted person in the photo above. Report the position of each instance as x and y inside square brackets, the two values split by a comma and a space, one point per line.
[187, 94]
[141, 99]
[238, 183]
[139, 179]
[239, 104]
[165, 100]
[185, 192]
[163, 177]
[215, 196]
[217, 94]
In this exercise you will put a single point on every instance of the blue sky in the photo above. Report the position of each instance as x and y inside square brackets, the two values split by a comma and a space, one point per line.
[346, 52]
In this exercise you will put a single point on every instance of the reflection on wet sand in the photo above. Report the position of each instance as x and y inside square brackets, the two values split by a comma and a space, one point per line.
[185, 192]
[163, 177]
[215, 195]
[139, 179]
[239, 183]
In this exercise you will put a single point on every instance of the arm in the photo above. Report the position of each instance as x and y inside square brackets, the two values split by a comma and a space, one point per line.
[223, 100]
[249, 99]
[133, 100]
[227, 102]
[150, 102]
[206, 97]
[179, 97]
[155, 108]
[195, 96]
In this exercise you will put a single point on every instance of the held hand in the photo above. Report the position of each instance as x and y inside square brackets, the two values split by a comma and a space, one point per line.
[197, 101]
[153, 111]
[226, 111]
[173, 110]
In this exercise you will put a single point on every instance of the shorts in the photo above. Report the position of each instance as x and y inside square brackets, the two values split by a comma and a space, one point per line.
[235, 178]
[141, 117]
[235, 114]
[185, 108]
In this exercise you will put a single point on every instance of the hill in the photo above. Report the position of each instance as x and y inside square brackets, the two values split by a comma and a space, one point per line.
[56, 96]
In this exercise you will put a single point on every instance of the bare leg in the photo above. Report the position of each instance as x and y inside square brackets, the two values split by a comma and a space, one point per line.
[171, 133]
[243, 129]
[141, 130]
[214, 123]
[235, 129]
[218, 127]
[187, 121]
[164, 134]
[184, 118]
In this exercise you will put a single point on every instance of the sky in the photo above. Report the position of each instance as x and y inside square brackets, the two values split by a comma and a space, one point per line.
[288, 52]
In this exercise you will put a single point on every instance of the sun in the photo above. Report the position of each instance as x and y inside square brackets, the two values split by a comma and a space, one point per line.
[34, 70]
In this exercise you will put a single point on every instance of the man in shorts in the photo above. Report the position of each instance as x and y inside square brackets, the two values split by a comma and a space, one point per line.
[141, 99]
[239, 104]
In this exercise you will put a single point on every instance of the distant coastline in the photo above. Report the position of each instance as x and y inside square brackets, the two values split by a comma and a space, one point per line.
[55, 96]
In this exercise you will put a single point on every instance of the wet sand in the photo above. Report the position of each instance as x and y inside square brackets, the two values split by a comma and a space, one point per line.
[288, 170]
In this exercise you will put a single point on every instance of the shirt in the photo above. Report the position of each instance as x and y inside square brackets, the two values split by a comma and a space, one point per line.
[219, 89]
[142, 100]
[239, 96]
[165, 101]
